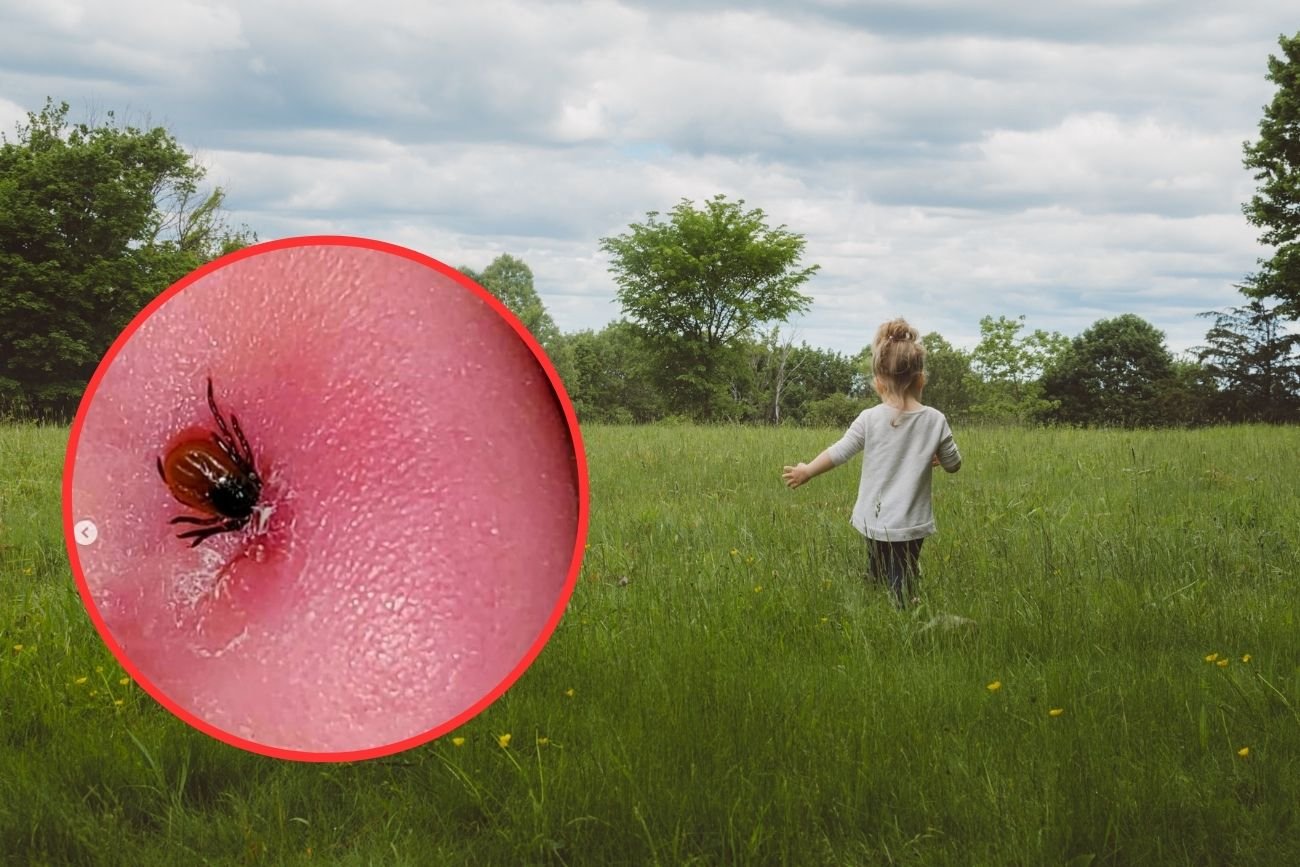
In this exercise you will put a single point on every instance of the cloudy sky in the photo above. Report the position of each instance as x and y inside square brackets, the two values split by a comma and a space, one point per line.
[945, 159]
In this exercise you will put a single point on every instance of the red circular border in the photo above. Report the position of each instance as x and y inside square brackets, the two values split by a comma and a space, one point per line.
[579, 543]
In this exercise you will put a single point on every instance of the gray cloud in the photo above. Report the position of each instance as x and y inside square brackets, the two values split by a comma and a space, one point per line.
[945, 160]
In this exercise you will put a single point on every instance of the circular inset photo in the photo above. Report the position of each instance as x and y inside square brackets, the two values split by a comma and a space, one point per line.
[325, 499]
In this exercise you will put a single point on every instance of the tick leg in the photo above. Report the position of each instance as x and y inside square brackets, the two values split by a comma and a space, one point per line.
[227, 441]
[187, 519]
[248, 452]
[216, 413]
[201, 534]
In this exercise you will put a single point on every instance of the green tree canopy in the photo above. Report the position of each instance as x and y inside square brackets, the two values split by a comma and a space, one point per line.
[1113, 374]
[1275, 160]
[1254, 359]
[949, 385]
[698, 283]
[510, 280]
[95, 221]
[1009, 367]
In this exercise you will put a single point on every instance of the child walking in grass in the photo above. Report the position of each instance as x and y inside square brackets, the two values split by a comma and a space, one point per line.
[902, 441]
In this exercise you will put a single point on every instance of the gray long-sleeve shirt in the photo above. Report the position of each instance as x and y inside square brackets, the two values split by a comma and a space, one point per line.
[894, 494]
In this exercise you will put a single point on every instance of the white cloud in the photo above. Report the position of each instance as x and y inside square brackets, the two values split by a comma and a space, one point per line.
[944, 159]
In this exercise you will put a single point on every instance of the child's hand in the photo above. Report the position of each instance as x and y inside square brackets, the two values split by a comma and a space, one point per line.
[934, 461]
[795, 476]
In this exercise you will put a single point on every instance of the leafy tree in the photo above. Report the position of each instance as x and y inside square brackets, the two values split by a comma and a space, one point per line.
[1113, 375]
[95, 221]
[1250, 354]
[697, 285]
[786, 378]
[607, 374]
[1008, 368]
[510, 280]
[1191, 396]
[949, 378]
[1275, 207]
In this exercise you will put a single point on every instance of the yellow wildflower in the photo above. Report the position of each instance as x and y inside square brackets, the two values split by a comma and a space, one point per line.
[124, 681]
[119, 702]
[1245, 657]
[1212, 657]
[458, 742]
[1056, 711]
[541, 742]
[79, 681]
[994, 686]
[569, 692]
[503, 741]
[758, 588]
[735, 553]
[18, 648]
[1222, 663]
[1244, 752]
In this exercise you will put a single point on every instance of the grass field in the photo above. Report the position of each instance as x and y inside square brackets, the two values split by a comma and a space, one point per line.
[725, 688]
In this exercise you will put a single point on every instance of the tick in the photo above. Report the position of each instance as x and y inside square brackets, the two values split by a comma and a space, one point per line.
[215, 475]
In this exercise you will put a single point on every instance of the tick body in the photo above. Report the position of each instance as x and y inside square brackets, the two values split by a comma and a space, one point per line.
[215, 475]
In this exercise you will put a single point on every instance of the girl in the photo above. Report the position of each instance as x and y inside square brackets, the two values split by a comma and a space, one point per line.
[902, 440]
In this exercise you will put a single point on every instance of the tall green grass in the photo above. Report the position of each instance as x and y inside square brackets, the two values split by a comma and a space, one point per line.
[727, 688]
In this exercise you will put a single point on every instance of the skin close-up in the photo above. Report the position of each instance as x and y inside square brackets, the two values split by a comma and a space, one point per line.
[364, 534]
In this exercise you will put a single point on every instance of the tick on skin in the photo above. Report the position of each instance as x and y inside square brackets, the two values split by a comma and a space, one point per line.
[214, 475]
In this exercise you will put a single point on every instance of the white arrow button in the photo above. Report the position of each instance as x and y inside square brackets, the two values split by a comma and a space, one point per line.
[85, 532]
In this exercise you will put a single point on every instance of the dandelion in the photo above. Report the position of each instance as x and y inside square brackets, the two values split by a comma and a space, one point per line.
[458, 742]
[79, 681]
[824, 619]
[735, 552]
[1056, 711]
[569, 692]
[758, 588]
[503, 741]
[1222, 663]
[18, 648]
[1245, 657]
[124, 681]
[1244, 752]
[994, 686]
[99, 669]
[1212, 657]
[541, 742]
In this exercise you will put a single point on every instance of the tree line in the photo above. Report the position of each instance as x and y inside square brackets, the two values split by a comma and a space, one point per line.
[1117, 373]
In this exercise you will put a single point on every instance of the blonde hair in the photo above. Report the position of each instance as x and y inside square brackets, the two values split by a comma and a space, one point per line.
[898, 360]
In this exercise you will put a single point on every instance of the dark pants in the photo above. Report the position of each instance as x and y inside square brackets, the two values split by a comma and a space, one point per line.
[895, 564]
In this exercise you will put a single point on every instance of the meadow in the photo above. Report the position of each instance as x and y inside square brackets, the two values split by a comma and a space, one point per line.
[1105, 669]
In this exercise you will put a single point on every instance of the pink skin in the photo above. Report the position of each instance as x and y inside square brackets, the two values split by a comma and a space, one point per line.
[420, 486]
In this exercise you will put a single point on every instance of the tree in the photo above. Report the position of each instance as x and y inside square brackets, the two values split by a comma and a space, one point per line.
[607, 374]
[1008, 368]
[1113, 374]
[698, 284]
[510, 280]
[95, 221]
[949, 379]
[1275, 207]
[1254, 360]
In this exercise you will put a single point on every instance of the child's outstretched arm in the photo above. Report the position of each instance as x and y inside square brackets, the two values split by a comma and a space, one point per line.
[800, 473]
